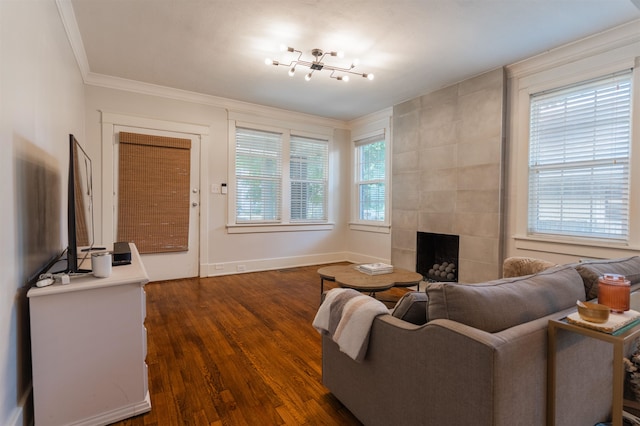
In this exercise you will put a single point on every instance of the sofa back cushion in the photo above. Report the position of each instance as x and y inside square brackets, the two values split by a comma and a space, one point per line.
[592, 270]
[497, 305]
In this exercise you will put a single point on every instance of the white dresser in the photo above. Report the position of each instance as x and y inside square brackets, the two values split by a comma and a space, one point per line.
[89, 345]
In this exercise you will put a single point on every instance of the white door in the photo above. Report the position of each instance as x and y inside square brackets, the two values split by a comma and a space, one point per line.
[183, 264]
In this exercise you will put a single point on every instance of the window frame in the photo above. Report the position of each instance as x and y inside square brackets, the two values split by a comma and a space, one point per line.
[285, 223]
[275, 177]
[323, 181]
[527, 84]
[574, 159]
[381, 226]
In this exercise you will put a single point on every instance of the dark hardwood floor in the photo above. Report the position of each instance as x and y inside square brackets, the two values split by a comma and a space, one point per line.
[238, 350]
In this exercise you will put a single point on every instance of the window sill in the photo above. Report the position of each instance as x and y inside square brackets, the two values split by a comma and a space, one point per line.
[252, 228]
[580, 248]
[366, 227]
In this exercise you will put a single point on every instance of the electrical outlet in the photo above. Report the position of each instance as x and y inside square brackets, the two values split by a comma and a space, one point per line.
[219, 266]
[215, 189]
[241, 268]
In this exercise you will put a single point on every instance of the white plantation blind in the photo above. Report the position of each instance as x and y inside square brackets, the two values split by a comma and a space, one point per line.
[371, 178]
[258, 175]
[579, 152]
[309, 165]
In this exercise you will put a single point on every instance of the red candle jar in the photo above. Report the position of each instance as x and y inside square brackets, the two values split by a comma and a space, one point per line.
[614, 291]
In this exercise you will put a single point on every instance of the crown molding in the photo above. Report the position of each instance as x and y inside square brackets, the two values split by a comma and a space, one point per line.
[382, 115]
[68, 16]
[606, 41]
[65, 9]
[110, 82]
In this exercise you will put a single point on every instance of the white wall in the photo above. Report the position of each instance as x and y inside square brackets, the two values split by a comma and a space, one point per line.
[41, 102]
[594, 56]
[368, 243]
[223, 251]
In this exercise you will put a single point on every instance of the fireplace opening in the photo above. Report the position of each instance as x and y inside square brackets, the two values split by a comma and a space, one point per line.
[437, 256]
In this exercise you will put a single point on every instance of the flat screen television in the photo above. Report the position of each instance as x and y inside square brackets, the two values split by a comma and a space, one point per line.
[79, 209]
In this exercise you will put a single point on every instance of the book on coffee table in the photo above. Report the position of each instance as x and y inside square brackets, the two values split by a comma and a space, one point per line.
[375, 268]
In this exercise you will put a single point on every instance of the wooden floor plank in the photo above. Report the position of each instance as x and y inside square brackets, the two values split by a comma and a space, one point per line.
[238, 350]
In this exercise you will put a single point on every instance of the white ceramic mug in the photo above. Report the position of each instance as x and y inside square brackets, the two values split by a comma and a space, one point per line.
[101, 264]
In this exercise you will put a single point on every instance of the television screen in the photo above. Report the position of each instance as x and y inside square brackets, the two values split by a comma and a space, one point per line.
[80, 208]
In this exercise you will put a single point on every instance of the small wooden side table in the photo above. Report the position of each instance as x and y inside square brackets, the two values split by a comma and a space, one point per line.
[617, 339]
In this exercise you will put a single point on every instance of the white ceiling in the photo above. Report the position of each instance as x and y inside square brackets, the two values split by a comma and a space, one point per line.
[218, 47]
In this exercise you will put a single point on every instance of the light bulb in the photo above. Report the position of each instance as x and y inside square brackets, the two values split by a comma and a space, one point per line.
[292, 71]
[340, 54]
[370, 76]
[307, 77]
[283, 47]
[268, 61]
[345, 78]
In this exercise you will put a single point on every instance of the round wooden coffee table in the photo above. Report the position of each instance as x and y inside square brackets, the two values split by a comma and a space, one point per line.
[348, 276]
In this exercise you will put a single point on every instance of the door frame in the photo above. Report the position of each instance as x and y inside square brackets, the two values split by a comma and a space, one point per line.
[109, 122]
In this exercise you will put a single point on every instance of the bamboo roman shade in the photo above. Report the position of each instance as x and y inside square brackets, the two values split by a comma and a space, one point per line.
[153, 192]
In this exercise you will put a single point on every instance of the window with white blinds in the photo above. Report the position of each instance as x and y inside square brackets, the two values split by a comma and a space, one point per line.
[308, 172]
[280, 178]
[258, 176]
[579, 151]
[370, 178]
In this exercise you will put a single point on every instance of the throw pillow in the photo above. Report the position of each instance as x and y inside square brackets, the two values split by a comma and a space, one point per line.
[412, 307]
[592, 270]
[518, 266]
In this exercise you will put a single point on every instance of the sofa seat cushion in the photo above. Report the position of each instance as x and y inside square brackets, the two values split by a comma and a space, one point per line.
[592, 270]
[497, 305]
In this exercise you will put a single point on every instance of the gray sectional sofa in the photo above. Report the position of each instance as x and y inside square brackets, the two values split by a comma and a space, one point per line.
[476, 354]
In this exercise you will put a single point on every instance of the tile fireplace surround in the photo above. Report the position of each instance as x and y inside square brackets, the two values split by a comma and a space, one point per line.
[447, 173]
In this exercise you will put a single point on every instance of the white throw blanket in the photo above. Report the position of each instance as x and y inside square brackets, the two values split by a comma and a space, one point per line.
[346, 316]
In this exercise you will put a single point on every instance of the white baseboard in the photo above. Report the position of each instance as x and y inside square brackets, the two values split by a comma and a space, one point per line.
[361, 258]
[256, 265]
[117, 414]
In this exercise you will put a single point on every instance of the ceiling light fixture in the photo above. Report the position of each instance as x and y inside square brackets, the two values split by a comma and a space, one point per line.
[317, 65]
